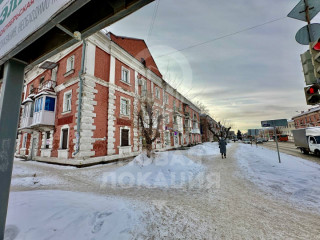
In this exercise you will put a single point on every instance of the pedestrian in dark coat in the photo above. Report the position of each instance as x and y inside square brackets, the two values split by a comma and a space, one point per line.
[223, 148]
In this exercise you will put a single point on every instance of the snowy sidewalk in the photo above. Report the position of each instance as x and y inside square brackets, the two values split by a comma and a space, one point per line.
[231, 208]
[295, 179]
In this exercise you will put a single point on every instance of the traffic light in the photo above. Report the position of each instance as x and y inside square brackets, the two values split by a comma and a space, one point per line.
[312, 94]
[315, 57]
[308, 68]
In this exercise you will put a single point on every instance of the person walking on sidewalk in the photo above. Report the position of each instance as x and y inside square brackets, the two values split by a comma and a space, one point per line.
[223, 148]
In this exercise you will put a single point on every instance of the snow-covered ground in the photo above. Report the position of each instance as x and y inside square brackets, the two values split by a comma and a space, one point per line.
[167, 169]
[71, 215]
[295, 179]
[206, 149]
[32, 176]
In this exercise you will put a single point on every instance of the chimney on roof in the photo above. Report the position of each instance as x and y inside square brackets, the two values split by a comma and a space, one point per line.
[143, 62]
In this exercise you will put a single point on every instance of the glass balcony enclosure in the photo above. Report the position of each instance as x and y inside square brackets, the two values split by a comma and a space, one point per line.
[27, 113]
[44, 109]
[39, 107]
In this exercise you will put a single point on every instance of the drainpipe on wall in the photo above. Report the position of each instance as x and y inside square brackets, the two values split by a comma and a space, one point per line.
[80, 97]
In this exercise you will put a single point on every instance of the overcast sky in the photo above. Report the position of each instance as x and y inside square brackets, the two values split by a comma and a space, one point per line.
[242, 76]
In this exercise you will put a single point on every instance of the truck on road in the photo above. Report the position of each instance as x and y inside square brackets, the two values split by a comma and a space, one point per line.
[307, 140]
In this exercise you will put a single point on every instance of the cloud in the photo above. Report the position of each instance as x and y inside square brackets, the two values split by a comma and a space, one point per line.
[246, 77]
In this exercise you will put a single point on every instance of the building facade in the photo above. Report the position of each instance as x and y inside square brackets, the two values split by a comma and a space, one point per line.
[115, 73]
[310, 118]
[287, 130]
[207, 122]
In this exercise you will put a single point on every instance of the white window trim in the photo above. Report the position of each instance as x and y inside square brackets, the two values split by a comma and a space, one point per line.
[68, 67]
[144, 88]
[125, 69]
[166, 119]
[129, 109]
[61, 137]
[167, 133]
[129, 137]
[54, 74]
[64, 111]
[24, 140]
[157, 90]
[166, 98]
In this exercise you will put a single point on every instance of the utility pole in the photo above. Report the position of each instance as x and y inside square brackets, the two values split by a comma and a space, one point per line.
[276, 139]
[10, 101]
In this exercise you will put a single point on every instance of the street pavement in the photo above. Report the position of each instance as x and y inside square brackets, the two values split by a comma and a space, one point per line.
[233, 208]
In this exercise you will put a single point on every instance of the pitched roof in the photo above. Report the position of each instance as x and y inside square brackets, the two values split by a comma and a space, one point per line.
[138, 49]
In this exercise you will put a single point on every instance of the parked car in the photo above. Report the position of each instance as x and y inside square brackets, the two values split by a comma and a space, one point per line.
[259, 140]
[246, 141]
[265, 140]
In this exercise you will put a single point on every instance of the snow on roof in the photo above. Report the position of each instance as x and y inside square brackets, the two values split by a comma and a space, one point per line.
[307, 112]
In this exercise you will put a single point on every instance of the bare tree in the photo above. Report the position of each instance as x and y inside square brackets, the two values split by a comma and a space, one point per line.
[219, 130]
[150, 122]
[203, 108]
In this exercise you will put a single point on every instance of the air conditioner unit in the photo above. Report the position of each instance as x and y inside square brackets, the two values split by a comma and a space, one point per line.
[140, 82]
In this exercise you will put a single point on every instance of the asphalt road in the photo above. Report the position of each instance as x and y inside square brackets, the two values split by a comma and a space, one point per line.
[291, 149]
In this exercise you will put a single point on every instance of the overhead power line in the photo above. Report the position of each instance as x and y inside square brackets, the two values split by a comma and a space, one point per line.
[221, 37]
[154, 16]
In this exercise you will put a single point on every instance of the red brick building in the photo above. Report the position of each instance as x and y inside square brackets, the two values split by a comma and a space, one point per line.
[207, 122]
[118, 71]
[310, 118]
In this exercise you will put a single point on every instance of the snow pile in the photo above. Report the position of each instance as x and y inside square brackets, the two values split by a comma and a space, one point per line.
[295, 178]
[70, 215]
[205, 149]
[167, 169]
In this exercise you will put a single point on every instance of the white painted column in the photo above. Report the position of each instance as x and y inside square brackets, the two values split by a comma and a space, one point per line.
[111, 108]
[135, 116]
[87, 118]
[90, 58]
[88, 105]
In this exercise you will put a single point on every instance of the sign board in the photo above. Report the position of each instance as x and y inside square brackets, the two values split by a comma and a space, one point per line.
[20, 18]
[275, 123]
[298, 12]
[34, 30]
[302, 35]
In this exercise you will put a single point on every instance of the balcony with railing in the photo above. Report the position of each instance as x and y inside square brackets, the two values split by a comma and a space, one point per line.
[47, 85]
[34, 91]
